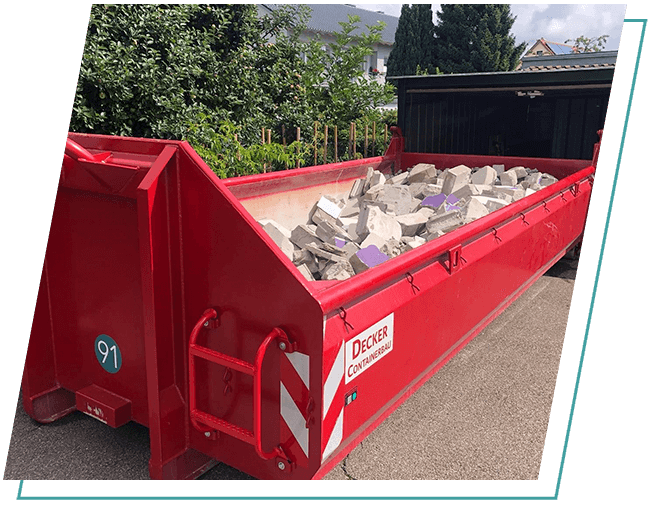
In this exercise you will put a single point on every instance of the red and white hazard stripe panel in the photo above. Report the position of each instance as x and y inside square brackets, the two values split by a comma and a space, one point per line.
[295, 406]
[332, 432]
[354, 357]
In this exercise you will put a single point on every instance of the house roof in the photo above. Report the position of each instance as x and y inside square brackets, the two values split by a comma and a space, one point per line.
[325, 18]
[600, 59]
[558, 48]
[579, 78]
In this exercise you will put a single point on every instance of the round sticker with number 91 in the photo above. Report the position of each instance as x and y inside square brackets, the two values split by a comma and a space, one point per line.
[108, 353]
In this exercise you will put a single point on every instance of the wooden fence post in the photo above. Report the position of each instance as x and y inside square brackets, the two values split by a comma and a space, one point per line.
[298, 150]
[315, 143]
[284, 146]
[336, 144]
[264, 142]
[325, 148]
[365, 143]
[374, 137]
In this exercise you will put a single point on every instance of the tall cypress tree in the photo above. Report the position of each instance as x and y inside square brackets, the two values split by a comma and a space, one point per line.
[413, 41]
[475, 38]
[424, 27]
[400, 60]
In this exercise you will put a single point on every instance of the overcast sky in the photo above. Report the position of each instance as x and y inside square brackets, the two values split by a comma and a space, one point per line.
[553, 22]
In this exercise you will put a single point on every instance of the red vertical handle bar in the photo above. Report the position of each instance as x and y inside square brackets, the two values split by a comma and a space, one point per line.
[594, 159]
[255, 370]
[257, 395]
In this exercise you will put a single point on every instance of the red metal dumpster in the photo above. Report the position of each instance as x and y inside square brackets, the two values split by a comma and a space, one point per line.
[163, 301]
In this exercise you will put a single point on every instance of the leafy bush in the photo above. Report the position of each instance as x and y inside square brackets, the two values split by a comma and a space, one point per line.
[196, 71]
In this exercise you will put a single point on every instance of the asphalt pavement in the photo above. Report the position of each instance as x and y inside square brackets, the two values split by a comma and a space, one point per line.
[482, 416]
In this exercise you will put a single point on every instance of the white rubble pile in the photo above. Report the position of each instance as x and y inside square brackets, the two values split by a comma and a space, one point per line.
[383, 217]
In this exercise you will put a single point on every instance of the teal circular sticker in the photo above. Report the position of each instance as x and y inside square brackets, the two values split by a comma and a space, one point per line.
[108, 353]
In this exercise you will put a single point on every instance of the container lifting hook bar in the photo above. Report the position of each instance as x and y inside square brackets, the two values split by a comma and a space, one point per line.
[523, 219]
[545, 206]
[343, 315]
[409, 278]
[575, 189]
[562, 196]
[494, 232]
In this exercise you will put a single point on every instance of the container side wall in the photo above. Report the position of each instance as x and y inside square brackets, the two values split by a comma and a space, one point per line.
[232, 265]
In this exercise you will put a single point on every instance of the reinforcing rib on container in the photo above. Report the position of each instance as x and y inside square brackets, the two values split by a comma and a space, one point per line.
[164, 302]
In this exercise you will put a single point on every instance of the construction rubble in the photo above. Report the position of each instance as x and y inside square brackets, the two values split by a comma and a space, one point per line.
[384, 217]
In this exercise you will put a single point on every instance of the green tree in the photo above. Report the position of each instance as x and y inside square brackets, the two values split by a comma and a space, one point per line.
[585, 44]
[216, 75]
[334, 81]
[413, 46]
[475, 38]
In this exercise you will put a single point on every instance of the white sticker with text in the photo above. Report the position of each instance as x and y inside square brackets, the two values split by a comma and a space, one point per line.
[368, 347]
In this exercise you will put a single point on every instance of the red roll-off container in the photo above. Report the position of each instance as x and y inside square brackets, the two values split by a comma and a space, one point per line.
[163, 301]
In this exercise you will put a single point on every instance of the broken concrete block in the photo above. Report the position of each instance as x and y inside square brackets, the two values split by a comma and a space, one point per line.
[329, 206]
[513, 192]
[499, 169]
[350, 248]
[340, 242]
[304, 270]
[277, 226]
[521, 172]
[456, 178]
[327, 255]
[430, 190]
[464, 192]
[417, 189]
[373, 193]
[415, 205]
[411, 243]
[337, 270]
[331, 248]
[491, 202]
[377, 178]
[427, 212]
[479, 188]
[351, 208]
[433, 202]
[320, 216]
[395, 200]
[392, 248]
[347, 223]
[280, 239]
[373, 239]
[302, 235]
[508, 178]
[485, 175]
[493, 205]
[422, 172]
[474, 210]
[529, 191]
[327, 232]
[398, 179]
[357, 188]
[304, 257]
[373, 220]
[532, 180]
[445, 222]
[369, 173]
[434, 235]
[412, 224]
[367, 258]
[547, 180]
